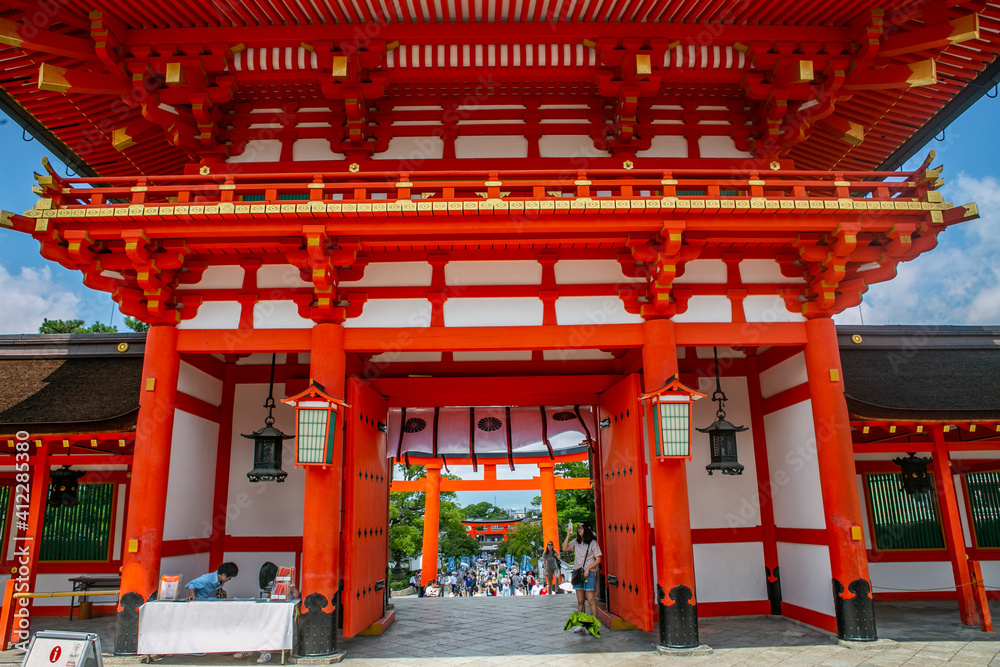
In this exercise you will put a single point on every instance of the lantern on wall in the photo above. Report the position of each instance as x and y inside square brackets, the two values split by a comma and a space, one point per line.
[315, 424]
[267, 444]
[65, 482]
[722, 434]
[913, 473]
[671, 417]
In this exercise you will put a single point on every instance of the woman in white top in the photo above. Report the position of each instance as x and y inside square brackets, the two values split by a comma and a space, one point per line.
[586, 555]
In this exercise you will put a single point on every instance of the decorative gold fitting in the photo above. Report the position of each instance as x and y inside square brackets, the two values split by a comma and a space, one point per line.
[628, 164]
[755, 182]
[227, 186]
[139, 188]
[493, 184]
[842, 184]
[354, 168]
[668, 181]
[579, 183]
[404, 184]
[775, 165]
[316, 186]
[856, 339]
[205, 170]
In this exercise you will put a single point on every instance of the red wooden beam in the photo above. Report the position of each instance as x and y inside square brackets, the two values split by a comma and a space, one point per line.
[32, 38]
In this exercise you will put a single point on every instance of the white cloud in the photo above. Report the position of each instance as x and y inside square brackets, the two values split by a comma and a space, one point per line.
[31, 296]
[956, 283]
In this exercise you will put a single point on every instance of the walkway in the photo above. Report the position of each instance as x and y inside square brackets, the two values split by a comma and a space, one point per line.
[528, 631]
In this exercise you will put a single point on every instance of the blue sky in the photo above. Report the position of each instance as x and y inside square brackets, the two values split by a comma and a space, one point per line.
[957, 283]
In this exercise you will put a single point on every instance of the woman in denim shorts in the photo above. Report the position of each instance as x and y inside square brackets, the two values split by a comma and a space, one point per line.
[586, 555]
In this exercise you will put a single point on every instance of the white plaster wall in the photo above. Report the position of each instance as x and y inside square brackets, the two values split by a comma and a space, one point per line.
[555, 145]
[764, 308]
[991, 573]
[215, 315]
[723, 501]
[394, 274]
[279, 276]
[564, 355]
[590, 272]
[266, 508]
[499, 312]
[518, 272]
[218, 277]
[493, 146]
[712, 146]
[192, 478]
[199, 384]
[764, 271]
[711, 271]
[385, 313]
[729, 572]
[789, 373]
[666, 146]
[414, 149]
[259, 150]
[279, 315]
[593, 310]
[707, 309]
[119, 527]
[189, 567]
[305, 150]
[899, 577]
[806, 576]
[390, 357]
[794, 467]
[494, 355]
[247, 582]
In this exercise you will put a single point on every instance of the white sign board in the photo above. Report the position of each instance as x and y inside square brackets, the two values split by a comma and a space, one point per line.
[63, 649]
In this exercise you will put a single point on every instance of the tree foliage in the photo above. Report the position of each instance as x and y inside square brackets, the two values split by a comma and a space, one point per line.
[406, 521]
[574, 505]
[136, 325]
[525, 541]
[485, 510]
[73, 326]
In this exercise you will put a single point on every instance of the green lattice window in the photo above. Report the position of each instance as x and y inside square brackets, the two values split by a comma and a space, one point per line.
[983, 489]
[82, 532]
[899, 520]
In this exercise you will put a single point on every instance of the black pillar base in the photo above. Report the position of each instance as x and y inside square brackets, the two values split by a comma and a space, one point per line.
[317, 629]
[679, 621]
[855, 616]
[774, 590]
[127, 625]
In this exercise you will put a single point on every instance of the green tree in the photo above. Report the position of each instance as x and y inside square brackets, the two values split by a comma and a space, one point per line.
[73, 326]
[574, 505]
[455, 541]
[485, 510]
[136, 325]
[526, 540]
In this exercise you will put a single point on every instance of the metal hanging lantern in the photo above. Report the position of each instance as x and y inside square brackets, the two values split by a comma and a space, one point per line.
[64, 482]
[267, 444]
[316, 425]
[722, 434]
[671, 419]
[913, 473]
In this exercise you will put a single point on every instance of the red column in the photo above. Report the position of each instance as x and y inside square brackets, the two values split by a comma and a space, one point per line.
[154, 430]
[321, 505]
[550, 519]
[838, 483]
[432, 517]
[675, 584]
[28, 543]
[944, 482]
[764, 491]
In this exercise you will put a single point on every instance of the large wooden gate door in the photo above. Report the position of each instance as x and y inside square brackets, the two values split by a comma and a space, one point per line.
[365, 553]
[625, 522]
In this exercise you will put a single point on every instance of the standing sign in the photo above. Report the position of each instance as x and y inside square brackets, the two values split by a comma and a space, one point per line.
[49, 648]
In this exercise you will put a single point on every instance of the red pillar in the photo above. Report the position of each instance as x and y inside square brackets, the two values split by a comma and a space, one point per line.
[151, 461]
[675, 586]
[28, 542]
[322, 490]
[432, 517]
[223, 457]
[764, 491]
[838, 483]
[944, 482]
[550, 519]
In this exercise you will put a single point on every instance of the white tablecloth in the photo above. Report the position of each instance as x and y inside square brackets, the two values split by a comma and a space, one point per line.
[215, 626]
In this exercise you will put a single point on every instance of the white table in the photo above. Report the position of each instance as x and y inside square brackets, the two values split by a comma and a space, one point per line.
[215, 626]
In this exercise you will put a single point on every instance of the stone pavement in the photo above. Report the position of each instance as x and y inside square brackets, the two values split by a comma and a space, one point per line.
[528, 631]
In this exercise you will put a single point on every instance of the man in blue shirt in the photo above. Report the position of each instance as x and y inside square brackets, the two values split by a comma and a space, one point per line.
[206, 586]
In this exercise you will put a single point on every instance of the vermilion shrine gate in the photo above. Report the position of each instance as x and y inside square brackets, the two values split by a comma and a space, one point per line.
[545, 207]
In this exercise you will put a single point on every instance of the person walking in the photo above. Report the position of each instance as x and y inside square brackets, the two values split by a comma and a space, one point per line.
[586, 560]
[550, 565]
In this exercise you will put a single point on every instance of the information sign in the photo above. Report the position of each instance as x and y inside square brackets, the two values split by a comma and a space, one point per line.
[49, 648]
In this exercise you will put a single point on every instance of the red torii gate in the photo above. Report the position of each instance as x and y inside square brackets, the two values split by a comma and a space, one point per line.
[547, 482]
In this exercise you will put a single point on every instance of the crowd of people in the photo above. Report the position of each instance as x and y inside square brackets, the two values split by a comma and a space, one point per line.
[487, 576]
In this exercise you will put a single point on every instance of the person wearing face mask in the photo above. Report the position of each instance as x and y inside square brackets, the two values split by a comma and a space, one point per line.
[586, 559]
